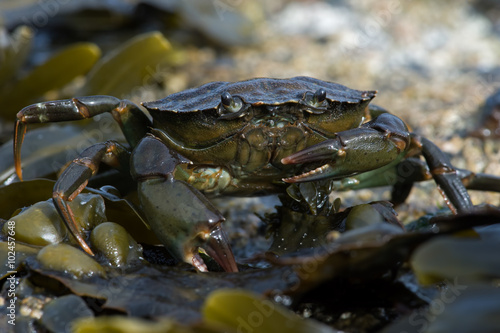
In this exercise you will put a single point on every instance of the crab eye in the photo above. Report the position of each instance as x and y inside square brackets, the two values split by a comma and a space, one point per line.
[317, 101]
[226, 99]
[230, 106]
[320, 95]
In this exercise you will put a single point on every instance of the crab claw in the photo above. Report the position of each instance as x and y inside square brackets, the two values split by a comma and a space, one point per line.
[323, 172]
[369, 147]
[323, 151]
[186, 223]
[326, 151]
[217, 247]
[181, 217]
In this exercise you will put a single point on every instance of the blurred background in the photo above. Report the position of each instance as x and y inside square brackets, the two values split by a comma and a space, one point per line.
[433, 63]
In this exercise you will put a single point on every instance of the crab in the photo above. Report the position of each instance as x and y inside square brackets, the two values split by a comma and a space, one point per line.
[253, 137]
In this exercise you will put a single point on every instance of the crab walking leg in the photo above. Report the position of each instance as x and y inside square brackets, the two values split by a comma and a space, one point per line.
[75, 177]
[479, 181]
[180, 215]
[132, 120]
[445, 176]
[414, 170]
[452, 182]
[372, 145]
[400, 175]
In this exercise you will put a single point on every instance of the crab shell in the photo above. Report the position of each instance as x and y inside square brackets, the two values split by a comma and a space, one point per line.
[269, 119]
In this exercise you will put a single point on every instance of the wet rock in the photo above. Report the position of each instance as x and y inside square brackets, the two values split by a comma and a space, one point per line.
[59, 314]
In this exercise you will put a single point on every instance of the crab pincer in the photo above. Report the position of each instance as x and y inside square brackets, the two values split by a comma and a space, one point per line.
[370, 146]
[181, 216]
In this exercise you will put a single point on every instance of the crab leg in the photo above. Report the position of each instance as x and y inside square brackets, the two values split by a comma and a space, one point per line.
[445, 176]
[75, 177]
[479, 181]
[132, 120]
[415, 170]
[180, 215]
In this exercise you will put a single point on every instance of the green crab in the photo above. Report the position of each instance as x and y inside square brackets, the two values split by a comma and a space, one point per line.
[245, 138]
